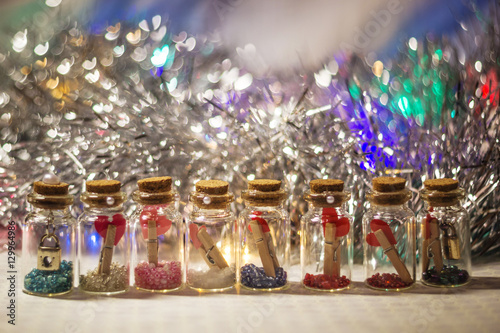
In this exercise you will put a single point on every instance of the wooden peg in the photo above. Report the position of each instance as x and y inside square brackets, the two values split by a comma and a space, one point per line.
[393, 256]
[107, 250]
[435, 244]
[212, 251]
[331, 266]
[152, 243]
[262, 245]
[270, 245]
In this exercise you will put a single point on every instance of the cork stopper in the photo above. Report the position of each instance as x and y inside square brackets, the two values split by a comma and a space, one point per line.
[326, 185]
[264, 185]
[389, 184]
[215, 187]
[442, 192]
[154, 191]
[155, 184]
[50, 189]
[442, 185]
[103, 193]
[211, 194]
[264, 192]
[104, 186]
[389, 191]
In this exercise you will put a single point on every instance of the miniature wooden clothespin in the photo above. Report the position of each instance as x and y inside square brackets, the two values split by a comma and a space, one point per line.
[107, 251]
[211, 252]
[266, 250]
[331, 266]
[432, 246]
[393, 256]
[152, 243]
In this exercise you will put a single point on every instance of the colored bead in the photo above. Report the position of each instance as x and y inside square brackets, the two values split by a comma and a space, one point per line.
[50, 282]
[323, 281]
[167, 275]
[255, 277]
[214, 278]
[448, 276]
[387, 281]
[116, 280]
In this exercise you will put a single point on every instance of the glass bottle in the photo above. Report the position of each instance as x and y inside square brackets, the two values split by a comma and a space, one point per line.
[326, 237]
[48, 251]
[156, 235]
[264, 237]
[389, 236]
[103, 239]
[444, 235]
[210, 238]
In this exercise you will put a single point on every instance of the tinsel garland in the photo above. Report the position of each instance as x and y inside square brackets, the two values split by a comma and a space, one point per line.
[136, 101]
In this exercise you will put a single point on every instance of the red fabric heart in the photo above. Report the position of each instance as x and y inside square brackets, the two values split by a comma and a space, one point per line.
[151, 213]
[102, 222]
[193, 234]
[380, 225]
[342, 225]
[262, 222]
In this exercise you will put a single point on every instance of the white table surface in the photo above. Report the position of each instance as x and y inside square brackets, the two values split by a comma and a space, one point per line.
[474, 308]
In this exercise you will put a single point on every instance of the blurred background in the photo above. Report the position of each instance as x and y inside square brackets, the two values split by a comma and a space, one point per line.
[238, 90]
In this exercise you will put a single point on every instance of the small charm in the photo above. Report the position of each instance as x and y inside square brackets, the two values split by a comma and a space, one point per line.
[49, 257]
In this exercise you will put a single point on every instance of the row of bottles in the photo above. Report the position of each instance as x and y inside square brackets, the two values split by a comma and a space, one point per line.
[155, 251]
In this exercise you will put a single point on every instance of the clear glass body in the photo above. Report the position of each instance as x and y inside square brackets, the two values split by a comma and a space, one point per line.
[166, 273]
[313, 244]
[93, 225]
[38, 223]
[380, 271]
[276, 238]
[452, 245]
[201, 274]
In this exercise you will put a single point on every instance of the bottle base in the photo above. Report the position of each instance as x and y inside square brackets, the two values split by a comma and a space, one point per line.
[158, 291]
[326, 290]
[214, 290]
[283, 287]
[47, 294]
[435, 285]
[104, 293]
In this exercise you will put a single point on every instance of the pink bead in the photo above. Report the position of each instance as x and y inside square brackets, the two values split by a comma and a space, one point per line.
[167, 275]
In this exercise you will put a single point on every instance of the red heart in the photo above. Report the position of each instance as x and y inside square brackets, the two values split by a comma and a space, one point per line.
[380, 225]
[342, 225]
[193, 234]
[151, 213]
[102, 222]
[262, 222]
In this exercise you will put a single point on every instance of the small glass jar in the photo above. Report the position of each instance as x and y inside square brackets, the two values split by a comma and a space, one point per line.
[326, 246]
[389, 236]
[103, 239]
[48, 251]
[156, 235]
[444, 235]
[264, 237]
[210, 238]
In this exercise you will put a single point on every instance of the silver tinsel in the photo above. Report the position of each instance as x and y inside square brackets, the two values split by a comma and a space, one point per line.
[136, 101]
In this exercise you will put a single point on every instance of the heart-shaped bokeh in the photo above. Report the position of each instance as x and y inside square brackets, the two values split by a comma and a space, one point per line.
[375, 225]
[102, 222]
[342, 225]
[151, 213]
[262, 222]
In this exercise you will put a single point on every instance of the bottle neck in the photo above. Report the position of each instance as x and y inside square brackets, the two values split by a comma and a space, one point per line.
[212, 211]
[315, 209]
[90, 210]
[62, 212]
[389, 208]
[252, 207]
